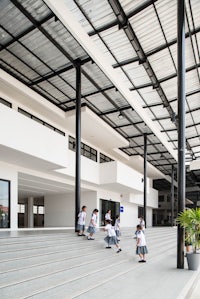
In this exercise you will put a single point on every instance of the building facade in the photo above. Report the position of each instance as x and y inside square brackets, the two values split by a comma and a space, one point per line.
[37, 165]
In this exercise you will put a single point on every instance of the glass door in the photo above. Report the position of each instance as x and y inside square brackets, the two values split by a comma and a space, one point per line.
[109, 205]
[4, 204]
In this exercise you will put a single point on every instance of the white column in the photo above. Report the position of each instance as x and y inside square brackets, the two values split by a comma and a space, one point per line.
[30, 212]
[13, 177]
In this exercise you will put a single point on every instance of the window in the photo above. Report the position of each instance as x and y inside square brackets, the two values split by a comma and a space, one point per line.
[140, 212]
[4, 204]
[86, 150]
[161, 198]
[21, 208]
[40, 121]
[38, 210]
[168, 198]
[6, 103]
[104, 158]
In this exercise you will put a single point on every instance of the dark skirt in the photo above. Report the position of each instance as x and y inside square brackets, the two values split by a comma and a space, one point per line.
[80, 227]
[91, 230]
[117, 233]
[141, 250]
[111, 240]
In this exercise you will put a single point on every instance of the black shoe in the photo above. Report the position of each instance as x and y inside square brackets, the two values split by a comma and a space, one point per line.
[142, 261]
[108, 247]
[83, 235]
[118, 250]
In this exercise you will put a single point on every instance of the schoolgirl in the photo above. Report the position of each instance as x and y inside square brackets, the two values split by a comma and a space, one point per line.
[81, 221]
[141, 248]
[111, 238]
[92, 225]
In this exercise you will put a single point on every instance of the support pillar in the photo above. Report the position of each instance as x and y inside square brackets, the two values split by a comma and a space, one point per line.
[172, 196]
[78, 141]
[30, 212]
[145, 177]
[181, 127]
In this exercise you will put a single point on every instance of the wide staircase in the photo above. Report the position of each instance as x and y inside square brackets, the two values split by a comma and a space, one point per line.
[58, 264]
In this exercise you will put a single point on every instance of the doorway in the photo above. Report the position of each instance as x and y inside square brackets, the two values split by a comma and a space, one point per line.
[109, 205]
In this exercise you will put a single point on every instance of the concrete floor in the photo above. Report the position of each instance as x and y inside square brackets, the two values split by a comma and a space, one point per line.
[58, 264]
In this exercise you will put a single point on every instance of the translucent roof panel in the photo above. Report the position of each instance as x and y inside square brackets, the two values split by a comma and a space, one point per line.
[192, 81]
[147, 29]
[136, 73]
[18, 64]
[44, 49]
[15, 72]
[100, 102]
[170, 88]
[32, 61]
[167, 11]
[54, 91]
[63, 86]
[64, 39]
[117, 98]
[5, 36]
[193, 13]
[12, 19]
[118, 43]
[36, 8]
[150, 96]
[102, 47]
[130, 5]
[96, 74]
[162, 58]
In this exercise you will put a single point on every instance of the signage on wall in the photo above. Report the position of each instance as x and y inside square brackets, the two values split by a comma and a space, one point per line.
[121, 209]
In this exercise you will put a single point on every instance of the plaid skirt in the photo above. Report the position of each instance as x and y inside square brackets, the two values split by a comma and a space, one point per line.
[141, 250]
[80, 227]
[91, 230]
[111, 240]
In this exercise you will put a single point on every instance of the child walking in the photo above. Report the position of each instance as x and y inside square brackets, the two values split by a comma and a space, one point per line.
[111, 238]
[117, 227]
[92, 225]
[141, 248]
[81, 221]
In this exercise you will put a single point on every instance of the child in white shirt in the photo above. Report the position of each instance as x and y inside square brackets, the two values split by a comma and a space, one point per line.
[81, 221]
[111, 238]
[92, 225]
[141, 248]
[117, 227]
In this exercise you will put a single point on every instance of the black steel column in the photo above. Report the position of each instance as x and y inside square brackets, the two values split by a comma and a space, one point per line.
[172, 197]
[181, 128]
[145, 177]
[78, 142]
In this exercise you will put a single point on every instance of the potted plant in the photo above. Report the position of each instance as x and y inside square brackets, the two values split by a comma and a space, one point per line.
[190, 220]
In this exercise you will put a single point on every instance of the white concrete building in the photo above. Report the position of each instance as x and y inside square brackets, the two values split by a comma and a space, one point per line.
[38, 164]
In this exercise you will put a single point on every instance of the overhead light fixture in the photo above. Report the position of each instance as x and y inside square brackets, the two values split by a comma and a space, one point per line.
[120, 116]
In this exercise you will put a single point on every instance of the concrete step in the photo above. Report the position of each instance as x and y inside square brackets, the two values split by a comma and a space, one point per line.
[39, 272]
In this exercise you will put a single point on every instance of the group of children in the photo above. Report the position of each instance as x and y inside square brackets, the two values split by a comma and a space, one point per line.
[113, 232]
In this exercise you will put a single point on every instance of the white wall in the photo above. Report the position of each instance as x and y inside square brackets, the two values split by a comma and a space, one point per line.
[27, 136]
[9, 172]
[59, 210]
[149, 217]
[129, 218]
[89, 168]
[130, 177]
[117, 172]
[152, 198]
